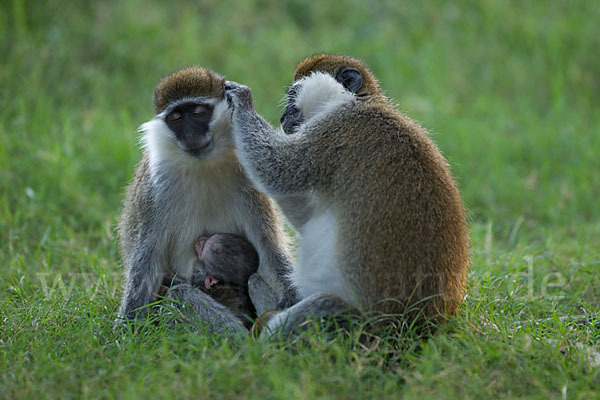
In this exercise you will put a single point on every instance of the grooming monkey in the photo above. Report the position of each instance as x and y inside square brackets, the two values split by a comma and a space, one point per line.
[189, 184]
[381, 223]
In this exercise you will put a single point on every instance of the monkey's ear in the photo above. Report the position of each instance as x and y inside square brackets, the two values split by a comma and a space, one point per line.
[350, 78]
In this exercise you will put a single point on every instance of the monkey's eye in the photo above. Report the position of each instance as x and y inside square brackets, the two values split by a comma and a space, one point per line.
[174, 116]
[199, 110]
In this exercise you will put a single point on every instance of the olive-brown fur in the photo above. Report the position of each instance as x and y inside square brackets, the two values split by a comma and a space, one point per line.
[399, 211]
[331, 64]
[187, 82]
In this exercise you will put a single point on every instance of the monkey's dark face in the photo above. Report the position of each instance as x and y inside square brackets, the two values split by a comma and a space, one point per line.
[291, 117]
[315, 93]
[190, 121]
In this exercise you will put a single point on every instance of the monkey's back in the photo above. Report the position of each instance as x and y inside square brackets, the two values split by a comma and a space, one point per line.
[414, 248]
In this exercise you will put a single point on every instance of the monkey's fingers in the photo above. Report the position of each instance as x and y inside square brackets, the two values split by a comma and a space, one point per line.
[238, 95]
[261, 322]
[231, 85]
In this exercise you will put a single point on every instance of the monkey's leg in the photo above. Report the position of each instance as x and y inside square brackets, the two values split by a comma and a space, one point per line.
[295, 319]
[262, 295]
[199, 308]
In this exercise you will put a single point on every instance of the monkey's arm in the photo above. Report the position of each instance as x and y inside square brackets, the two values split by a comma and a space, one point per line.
[277, 164]
[269, 287]
[143, 272]
[143, 278]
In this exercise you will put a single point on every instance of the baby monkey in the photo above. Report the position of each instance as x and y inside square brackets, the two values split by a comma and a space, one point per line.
[225, 257]
[226, 263]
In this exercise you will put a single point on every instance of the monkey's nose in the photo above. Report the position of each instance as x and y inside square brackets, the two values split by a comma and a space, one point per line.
[288, 110]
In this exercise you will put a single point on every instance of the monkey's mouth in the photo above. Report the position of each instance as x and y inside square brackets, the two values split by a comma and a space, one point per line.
[199, 151]
[291, 118]
[196, 153]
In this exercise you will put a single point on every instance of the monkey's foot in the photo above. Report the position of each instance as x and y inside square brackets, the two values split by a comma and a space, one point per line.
[210, 281]
[199, 246]
[261, 323]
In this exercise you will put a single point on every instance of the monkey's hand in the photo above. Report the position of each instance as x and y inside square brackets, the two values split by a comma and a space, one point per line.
[239, 97]
[261, 322]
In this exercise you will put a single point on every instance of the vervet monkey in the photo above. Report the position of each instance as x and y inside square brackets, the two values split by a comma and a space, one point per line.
[381, 223]
[189, 183]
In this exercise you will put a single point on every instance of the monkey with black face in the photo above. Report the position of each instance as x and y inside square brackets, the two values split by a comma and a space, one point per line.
[189, 183]
[381, 223]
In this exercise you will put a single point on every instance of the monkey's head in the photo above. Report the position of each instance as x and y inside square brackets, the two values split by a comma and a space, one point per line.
[323, 82]
[191, 113]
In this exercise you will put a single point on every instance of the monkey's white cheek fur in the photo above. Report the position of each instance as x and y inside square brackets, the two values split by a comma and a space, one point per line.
[320, 94]
[161, 144]
[163, 147]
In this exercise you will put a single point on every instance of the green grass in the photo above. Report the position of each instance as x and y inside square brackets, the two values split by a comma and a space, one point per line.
[510, 91]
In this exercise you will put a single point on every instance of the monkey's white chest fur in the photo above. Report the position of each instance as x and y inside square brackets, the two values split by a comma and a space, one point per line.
[199, 197]
[203, 207]
[316, 271]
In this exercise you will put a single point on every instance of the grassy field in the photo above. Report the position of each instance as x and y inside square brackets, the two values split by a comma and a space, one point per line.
[510, 91]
